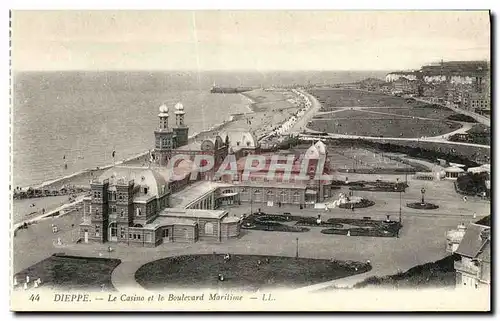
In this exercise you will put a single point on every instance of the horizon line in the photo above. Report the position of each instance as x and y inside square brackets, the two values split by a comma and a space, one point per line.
[14, 71]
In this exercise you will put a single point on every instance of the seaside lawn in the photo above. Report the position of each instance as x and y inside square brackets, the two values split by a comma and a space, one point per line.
[397, 127]
[332, 98]
[72, 272]
[242, 272]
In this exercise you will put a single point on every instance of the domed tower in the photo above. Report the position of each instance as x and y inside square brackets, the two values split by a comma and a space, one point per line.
[180, 129]
[165, 139]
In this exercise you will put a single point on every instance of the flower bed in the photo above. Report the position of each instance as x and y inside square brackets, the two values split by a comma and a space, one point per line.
[381, 186]
[361, 232]
[362, 227]
[424, 206]
[362, 204]
[266, 222]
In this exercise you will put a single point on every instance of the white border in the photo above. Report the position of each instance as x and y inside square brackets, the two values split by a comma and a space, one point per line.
[186, 4]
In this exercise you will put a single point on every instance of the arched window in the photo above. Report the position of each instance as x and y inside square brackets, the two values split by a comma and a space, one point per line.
[113, 229]
[282, 196]
[209, 229]
[137, 225]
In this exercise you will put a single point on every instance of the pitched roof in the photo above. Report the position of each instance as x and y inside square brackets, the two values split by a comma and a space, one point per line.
[321, 147]
[312, 153]
[192, 213]
[240, 139]
[142, 176]
[472, 242]
[180, 170]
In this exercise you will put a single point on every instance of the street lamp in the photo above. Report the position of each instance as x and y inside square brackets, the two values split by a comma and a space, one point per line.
[400, 208]
[297, 248]
[423, 192]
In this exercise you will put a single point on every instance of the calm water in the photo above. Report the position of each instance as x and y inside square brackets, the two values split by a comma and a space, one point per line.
[84, 116]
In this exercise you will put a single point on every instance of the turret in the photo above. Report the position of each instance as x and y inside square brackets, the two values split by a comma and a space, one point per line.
[163, 118]
[165, 138]
[180, 129]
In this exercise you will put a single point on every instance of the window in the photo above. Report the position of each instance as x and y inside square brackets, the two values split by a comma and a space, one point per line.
[97, 231]
[130, 236]
[165, 233]
[122, 232]
[138, 212]
[145, 190]
[122, 213]
[113, 229]
[138, 236]
[114, 209]
[209, 228]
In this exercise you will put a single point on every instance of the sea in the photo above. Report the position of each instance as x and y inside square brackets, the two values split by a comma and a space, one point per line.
[65, 122]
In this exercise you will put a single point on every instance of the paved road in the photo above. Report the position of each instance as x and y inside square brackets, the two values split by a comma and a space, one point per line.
[301, 123]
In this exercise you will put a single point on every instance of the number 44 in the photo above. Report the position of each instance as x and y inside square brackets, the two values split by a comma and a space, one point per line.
[35, 297]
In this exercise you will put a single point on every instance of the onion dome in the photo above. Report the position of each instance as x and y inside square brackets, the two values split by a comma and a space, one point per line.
[179, 108]
[163, 111]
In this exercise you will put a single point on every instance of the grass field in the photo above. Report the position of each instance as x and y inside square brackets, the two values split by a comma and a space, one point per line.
[74, 273]
[350, 114]
[331, 98]
[424, 112]
[398, 127]
[241, 271]
[435, 274]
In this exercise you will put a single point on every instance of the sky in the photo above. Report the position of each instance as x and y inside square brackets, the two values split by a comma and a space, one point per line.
[245, 40]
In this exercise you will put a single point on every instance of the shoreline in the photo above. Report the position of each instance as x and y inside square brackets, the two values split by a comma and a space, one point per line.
[83, 177]
[68, 180]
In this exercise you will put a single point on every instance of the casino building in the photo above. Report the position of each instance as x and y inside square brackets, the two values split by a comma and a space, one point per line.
[146, 206]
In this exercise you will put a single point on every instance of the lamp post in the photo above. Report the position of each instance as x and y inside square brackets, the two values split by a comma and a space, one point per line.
[423, 192]
[400, 207]
[251, 202]
[297, 248]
